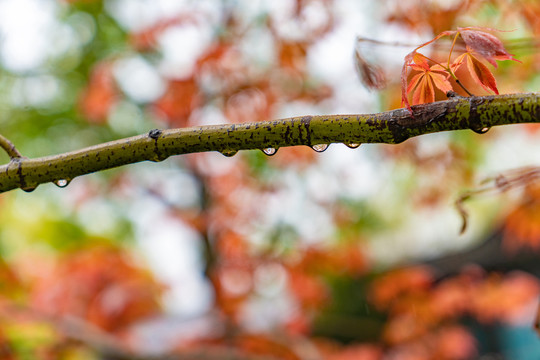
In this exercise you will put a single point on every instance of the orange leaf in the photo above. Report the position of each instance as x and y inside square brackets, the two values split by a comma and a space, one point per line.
[371, 75]
[420, 62]
[424, 83]
[424, 92]
[481, 74]
[413, 57]
[404, 89]
[478, 71]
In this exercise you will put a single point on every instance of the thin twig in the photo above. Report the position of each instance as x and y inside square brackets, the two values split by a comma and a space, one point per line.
[501, 183]
[9, 148]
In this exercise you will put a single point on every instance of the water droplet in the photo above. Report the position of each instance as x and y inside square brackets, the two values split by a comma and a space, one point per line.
[481, 130]
[229, 153]
[62, 183]
[159, 158]
[352, 145]
[29, 188]
[320, 147]
[269, 151]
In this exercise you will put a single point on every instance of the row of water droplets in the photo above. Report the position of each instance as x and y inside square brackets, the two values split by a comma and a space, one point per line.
[272, 151]
[322, 147]
[62, 183]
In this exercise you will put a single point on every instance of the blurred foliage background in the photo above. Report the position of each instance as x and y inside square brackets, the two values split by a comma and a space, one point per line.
[344, 254]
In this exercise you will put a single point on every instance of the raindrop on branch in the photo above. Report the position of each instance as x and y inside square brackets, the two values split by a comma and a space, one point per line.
[62, 183]
[229, 152]
[481, 130]
[269, 151]
[352, 145]
[159, 158]
[29, 188]
[320, 147]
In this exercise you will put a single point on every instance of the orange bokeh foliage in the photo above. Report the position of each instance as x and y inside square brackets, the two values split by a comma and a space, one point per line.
[292, 55]
[100, 285]
[6, 351]
[147, 39]
[178, 101]
[391, 285]
[264, 345]
[530, 9]
[308, 289]
[451, 342]
[417, 14]
[100, 94]
[232, 273]
[251, 104]
[232, 247]
[503, 298]
[347, 259]
[417, 312]
[233, 283]
[522, 225]
[333, 351]
[9, 279]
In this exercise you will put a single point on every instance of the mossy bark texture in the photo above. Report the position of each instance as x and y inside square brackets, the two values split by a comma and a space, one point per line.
[391, 127]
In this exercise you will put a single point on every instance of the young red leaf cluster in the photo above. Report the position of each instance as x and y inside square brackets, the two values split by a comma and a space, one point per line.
[426, 78]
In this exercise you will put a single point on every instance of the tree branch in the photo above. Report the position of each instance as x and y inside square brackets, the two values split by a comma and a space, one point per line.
[391, 127]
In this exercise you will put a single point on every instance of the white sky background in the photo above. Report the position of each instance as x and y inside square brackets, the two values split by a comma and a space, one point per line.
[26, 30]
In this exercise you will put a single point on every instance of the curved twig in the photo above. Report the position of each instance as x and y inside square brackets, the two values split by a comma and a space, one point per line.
[391, 127]
[9, 148]
[502, 182]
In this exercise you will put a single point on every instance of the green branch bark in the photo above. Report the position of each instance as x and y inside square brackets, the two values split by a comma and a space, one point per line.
[391, 127]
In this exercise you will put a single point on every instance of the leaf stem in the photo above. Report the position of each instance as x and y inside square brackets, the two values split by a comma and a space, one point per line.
[463, 87]
[449, 68]
[452, 49]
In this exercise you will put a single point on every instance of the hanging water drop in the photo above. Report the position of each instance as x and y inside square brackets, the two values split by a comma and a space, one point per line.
[229, 152]
[269, 151]
[62, 183]
[352, 145]
[320, 147]
[159, 158]
[29, 188]
[483, 130]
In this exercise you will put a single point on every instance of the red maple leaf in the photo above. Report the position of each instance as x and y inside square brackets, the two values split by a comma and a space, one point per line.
[423, 84]
[478, 71]
[478, 44]
[486, 45]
